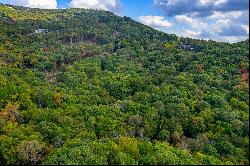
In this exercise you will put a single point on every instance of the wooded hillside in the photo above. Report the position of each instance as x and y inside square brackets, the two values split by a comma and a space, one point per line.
[81, 86]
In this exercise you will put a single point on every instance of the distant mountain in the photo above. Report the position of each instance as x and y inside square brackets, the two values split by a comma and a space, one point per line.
[85, 87]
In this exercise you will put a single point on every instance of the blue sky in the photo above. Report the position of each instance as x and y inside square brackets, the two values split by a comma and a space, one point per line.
[220, 20]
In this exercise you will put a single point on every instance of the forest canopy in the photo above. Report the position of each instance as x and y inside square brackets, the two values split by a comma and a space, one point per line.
[83, 86]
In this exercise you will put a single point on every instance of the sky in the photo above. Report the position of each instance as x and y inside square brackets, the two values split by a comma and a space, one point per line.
[220, 20]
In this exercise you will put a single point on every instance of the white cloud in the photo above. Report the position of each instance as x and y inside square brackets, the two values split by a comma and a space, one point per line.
[205, 2]
[220, 2]
[232, 39]
[189, 33]
[192, 34]
[201, 8]
[185, 19]
[42, 4]
[193, 22]
[110, 5]
[246, 28]
[220, 20]
[219, 25]
[214, 2]
[223, 15]
[155, 21]
[210, 36]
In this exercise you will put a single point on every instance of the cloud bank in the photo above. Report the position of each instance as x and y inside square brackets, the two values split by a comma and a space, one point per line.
[109, 5]
[200, 8]
[221, 20]
[42, 4]
[154, 21]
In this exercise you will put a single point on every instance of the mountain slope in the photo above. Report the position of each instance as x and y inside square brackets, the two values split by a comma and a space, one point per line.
[102, 89]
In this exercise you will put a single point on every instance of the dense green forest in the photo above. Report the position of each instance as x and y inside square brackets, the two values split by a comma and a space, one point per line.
[98, 88]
